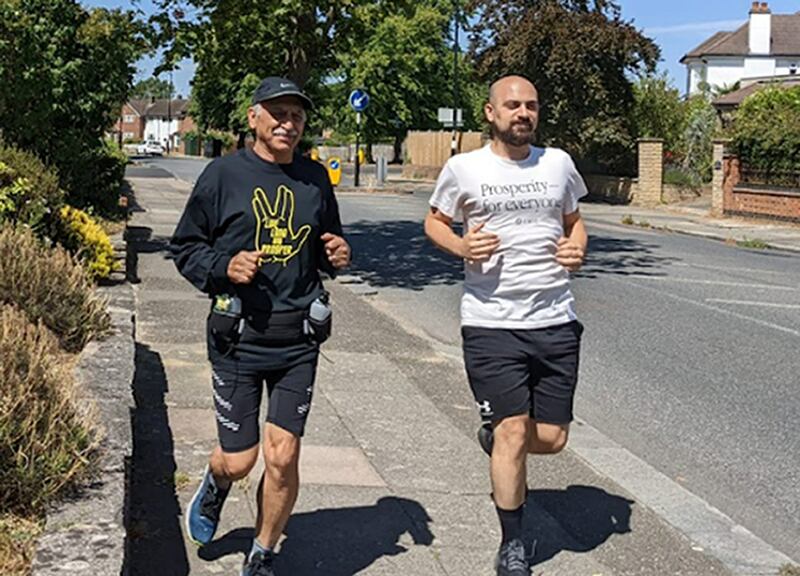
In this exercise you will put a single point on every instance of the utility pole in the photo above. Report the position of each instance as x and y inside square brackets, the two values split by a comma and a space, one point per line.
[169, 114]
[454, 142]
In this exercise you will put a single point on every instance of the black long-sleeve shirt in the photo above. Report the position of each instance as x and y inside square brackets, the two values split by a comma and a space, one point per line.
[243, 202]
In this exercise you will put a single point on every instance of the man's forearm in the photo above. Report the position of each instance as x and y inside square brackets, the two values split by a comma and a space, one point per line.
[442, 235]
[577, 234]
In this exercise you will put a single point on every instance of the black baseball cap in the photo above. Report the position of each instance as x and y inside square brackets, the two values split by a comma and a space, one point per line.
[274, 87]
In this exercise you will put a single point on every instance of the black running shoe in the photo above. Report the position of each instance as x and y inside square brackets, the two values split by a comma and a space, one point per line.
[486, 437]
[259, 565]
[512, 559]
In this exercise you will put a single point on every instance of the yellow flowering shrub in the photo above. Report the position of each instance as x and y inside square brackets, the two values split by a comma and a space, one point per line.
[82, 235]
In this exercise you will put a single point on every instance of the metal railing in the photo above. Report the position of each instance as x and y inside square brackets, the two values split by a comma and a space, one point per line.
[770, 178]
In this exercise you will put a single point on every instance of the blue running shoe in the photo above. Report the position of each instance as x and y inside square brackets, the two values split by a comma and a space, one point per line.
[260, 564]
[204, 510]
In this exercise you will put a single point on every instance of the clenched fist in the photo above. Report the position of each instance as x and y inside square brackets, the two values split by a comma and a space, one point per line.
[337, 249]
[243, 267]
[569, 254]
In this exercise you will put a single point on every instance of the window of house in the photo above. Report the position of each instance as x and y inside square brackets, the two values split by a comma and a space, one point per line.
[129, 118]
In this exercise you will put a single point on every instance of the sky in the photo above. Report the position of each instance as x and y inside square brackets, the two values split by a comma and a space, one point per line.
[677, 26]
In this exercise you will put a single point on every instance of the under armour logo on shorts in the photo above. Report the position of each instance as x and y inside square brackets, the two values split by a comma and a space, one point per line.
[485, 408]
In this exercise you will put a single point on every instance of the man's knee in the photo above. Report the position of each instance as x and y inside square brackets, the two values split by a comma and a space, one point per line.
[237, 465]
[548, 438]
[281, 451]
[511, 433]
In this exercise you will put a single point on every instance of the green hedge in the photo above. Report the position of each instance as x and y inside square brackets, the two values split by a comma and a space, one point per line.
[767, 130]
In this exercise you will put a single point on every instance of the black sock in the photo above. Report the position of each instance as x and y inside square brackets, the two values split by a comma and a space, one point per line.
[511, 523]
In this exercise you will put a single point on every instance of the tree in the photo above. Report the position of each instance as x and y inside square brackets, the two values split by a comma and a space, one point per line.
[396, 49]
[700, 126]
[658, 111]
[231, 39]
[151, 88]
[579, 54]
[404, 62]
[64, 74]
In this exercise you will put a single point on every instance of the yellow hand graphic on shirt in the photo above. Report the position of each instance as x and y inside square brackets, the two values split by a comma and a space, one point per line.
[276, 237]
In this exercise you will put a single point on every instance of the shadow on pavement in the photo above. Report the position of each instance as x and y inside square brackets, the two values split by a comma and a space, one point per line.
[622, 256]
[145, 171]
[590, 515]
[337, 541]
[140, 240]
[155, 540]
[397, 253]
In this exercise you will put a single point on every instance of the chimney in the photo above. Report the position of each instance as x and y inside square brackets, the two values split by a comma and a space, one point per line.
[760, 29]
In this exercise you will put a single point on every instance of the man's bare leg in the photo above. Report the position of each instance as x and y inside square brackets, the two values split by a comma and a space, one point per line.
[281, 483]
[508, 461]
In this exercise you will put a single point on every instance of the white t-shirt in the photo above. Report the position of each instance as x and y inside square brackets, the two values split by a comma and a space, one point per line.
[523, 202]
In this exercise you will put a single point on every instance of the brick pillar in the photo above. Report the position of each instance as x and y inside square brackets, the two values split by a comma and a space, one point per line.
[718, 178]
[651, 171]
[731, 176]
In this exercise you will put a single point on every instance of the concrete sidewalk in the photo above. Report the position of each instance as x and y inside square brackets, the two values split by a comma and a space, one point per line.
[393, 481]
[695, 219]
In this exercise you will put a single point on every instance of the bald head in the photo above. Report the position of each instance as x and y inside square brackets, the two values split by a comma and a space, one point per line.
[509, 87]
[513, 111]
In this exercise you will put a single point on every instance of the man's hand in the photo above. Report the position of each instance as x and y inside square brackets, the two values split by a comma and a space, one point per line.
[477, 246]
[337, 249]
[569, 254]
[243, 267]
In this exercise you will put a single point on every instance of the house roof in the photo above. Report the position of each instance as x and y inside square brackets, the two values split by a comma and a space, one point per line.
[139, 105]
[735, 98]
[785, 40]
[177, 108]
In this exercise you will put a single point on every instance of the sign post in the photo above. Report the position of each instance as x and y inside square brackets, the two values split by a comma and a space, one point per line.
[359, 100]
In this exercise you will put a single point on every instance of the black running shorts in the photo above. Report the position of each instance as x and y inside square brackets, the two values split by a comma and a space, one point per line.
[513, 372]
[237, 399]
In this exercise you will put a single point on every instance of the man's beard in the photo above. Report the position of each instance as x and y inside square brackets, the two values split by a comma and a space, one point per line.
[513, 138]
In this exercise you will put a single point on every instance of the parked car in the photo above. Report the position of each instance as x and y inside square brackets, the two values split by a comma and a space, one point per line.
[150, 148]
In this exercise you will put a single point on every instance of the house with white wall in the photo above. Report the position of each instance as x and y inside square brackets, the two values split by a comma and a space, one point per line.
[765, 46]
[163, 120]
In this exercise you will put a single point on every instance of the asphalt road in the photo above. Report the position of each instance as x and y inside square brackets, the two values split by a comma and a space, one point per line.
[188, 168]
[690, 351]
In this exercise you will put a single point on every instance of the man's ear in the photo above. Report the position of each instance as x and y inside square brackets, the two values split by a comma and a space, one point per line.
[488, 111]
[251, 117]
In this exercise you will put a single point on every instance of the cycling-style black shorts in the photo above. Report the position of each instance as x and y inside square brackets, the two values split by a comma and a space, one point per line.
[513, 372]
[237, 399]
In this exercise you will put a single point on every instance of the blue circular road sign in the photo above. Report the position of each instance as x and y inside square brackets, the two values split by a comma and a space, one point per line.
[359, 100]
[334, 164]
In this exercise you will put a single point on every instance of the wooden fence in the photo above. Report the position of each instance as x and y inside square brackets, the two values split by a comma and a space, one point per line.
[432, 149]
